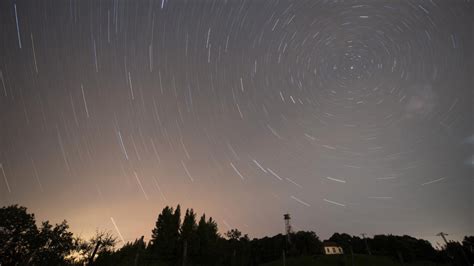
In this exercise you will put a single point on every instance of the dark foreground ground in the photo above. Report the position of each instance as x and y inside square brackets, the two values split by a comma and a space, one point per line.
[345, 260]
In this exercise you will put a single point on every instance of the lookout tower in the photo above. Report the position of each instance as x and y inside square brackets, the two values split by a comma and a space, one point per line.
[287, 219]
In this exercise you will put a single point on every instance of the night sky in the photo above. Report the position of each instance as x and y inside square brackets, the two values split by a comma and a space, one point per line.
[353, 116]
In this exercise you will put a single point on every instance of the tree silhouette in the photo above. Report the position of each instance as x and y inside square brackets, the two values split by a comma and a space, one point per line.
[468, 245]
[307, 243]
[132, 253]
[22, 243]
[345, 241]
[55, 244]
[233, 234]
[18, 233]
[208, 237]
[165, 235]
[101, 242]
[188, 234]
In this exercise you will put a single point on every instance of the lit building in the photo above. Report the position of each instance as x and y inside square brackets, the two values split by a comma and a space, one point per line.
[331, 248]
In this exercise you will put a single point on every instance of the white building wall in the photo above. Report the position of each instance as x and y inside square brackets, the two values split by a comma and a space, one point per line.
[333, 250]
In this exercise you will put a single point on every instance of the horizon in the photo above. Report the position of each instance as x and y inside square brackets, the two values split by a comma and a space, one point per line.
[353, 117]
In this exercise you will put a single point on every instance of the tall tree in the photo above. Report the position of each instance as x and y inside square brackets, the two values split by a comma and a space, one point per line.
[165, 235]
[208, 236]
[188, 234]
[233, 235]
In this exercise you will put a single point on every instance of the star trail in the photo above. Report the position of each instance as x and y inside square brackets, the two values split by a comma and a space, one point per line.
[353, 116]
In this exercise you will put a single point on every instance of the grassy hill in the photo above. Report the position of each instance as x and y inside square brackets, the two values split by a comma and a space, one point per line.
[345, 260]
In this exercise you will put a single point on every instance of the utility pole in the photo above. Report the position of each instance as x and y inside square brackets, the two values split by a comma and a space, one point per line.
[366, 244]
[443, 236]
[284, 258]
[352, 253]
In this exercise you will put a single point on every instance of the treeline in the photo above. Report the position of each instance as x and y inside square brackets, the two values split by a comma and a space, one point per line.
[408, 249]
[186, 239]
[196, 241]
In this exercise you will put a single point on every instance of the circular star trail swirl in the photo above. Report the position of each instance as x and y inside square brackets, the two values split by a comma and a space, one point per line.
[353, 116]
